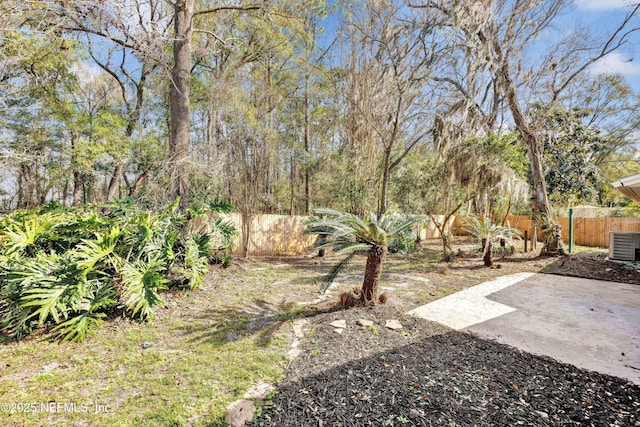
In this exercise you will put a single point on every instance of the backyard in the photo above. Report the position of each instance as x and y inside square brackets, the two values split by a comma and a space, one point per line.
[206, 347]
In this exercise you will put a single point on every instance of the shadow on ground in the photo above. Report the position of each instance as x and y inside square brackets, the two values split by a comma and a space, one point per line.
[452, 379]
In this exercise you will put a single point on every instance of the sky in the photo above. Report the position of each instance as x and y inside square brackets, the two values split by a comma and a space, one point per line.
[601, 15]
[605, 15]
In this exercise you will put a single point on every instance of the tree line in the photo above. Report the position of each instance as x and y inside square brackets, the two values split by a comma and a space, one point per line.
[423, 107]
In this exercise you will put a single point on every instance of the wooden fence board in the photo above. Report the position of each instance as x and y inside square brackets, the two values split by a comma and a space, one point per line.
[274, 235]
[592, 232]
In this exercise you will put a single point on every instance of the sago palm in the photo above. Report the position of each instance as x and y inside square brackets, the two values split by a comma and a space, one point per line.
[350, 234]
[489, 233]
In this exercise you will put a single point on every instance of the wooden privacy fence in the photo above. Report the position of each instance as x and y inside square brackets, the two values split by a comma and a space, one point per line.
[275, 235]
[270, 235]
[593, 232]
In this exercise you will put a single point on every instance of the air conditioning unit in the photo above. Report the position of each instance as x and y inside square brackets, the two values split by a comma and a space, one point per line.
[624, 246]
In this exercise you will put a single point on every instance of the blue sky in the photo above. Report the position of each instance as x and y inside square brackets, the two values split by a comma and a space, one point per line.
[605, 15]
[601, 15]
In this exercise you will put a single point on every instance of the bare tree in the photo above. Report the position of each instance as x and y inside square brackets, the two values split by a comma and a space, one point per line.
[506, 37]
[390, 61]
[129, 25]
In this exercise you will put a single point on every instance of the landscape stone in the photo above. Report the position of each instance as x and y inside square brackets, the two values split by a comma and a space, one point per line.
[50, 367]
[341, 324]
[260, 390]
[298, 324]
[338, 331]
[365, 322]
[294, 352]
[393, 324]
[240, 412]
[231, 336]
[147, 344]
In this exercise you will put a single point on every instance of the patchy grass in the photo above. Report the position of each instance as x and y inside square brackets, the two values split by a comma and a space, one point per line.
[209, 345]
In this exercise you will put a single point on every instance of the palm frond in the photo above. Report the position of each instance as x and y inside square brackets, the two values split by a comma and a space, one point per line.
[220, 206]
[196, 260]
[52, 286]
[142, 281]
[331, 276]
[21, 233]
[90, 316]
[90, 252]
[223, 233]
[78, 327]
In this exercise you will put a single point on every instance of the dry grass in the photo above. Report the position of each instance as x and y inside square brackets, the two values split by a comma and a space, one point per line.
[208, 345]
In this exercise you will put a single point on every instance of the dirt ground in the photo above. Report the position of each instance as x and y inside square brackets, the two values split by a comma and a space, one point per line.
[426, 374]
[594, 265]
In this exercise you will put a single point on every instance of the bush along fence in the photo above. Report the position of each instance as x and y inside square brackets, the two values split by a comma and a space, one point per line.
[71, 268]
[281, 235]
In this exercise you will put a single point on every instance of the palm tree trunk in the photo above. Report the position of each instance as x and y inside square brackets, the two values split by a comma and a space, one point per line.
[488, 253]
[372, 272]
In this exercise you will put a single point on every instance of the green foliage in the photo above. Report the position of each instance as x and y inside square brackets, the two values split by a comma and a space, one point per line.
[571, 150]
[196, 259]
[142, 281]
[485, 229]
[70, 267]
[349, 234]
[489, 233]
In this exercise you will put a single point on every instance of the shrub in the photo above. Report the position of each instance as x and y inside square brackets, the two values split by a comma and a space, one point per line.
[70, 268]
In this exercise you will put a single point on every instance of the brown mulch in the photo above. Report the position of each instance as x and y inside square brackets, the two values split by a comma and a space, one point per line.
[595, 265]
[428, 375]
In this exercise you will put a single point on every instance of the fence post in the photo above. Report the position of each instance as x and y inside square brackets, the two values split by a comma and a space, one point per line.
[571, 230]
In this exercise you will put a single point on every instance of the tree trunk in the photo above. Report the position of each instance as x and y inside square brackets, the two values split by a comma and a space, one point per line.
[307, 148]
[487, 256]
[133, 119]
[179, 102]
[113, 183]
[372, 272]
[77, 188]
[534, 151]
[382, 207]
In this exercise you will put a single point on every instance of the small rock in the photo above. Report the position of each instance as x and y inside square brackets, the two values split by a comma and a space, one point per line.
[295, 344]
[260, 390]
[298, 324]
[147, 344]
[393, 324]
[338, 331]
[365, 322]
[232, 336]
[417, 412]
[543, 414]
[339, 324]
[240, 412]
[257, 324]
[294, 352]
[50, 367]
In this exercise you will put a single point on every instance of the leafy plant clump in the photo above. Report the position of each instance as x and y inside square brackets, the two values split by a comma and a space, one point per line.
[70, 268]
[489, 234]
[349, 234]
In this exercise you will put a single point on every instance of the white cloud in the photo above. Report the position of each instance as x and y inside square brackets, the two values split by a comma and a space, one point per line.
[617, 63]
[601, 5]
[86, 71]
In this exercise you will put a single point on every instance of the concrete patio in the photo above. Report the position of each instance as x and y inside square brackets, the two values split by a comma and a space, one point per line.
[591, 324]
